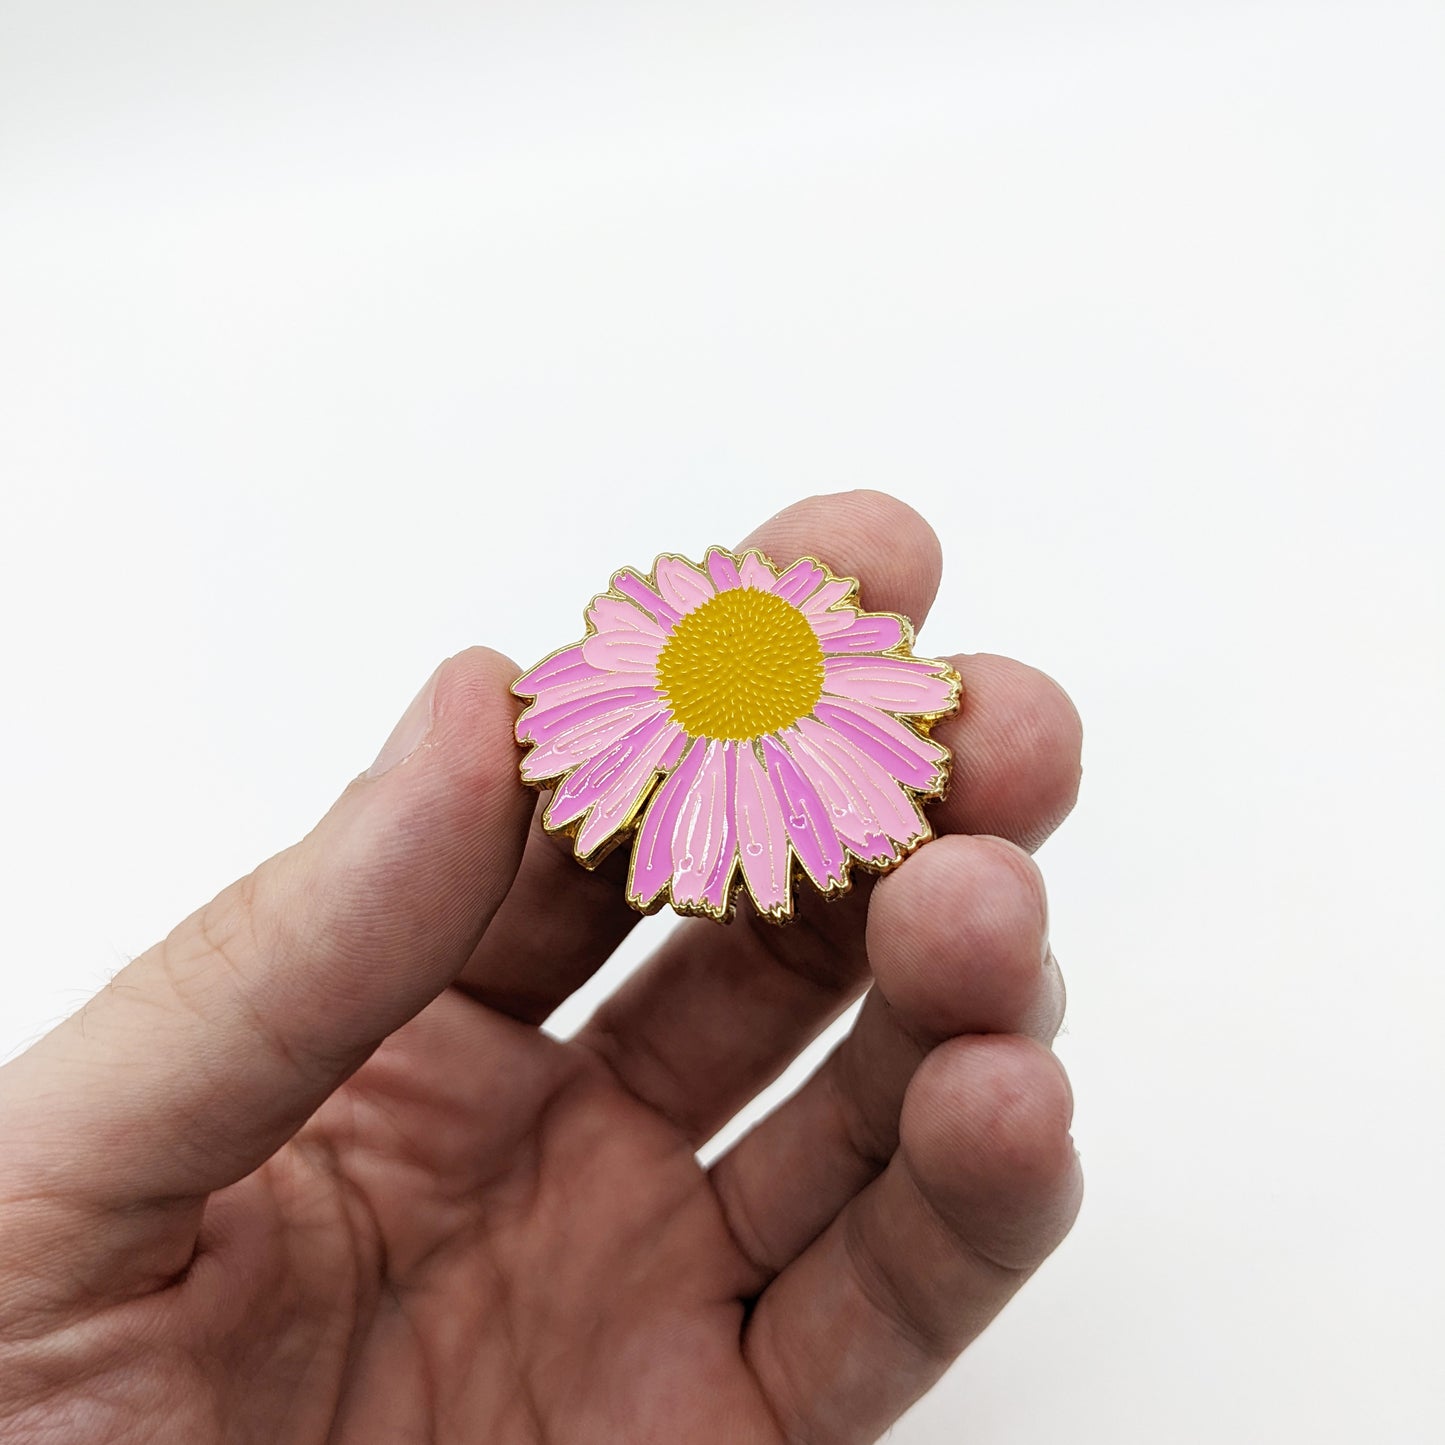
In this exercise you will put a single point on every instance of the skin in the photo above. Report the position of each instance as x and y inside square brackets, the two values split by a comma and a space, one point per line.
[308, 1170]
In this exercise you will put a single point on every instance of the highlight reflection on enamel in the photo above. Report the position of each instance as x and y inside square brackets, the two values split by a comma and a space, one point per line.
[751, 725]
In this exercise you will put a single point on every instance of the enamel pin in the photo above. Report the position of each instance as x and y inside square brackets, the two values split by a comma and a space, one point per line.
[749, 727]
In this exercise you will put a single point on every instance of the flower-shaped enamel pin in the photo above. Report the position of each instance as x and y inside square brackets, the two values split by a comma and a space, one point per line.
[749, 727]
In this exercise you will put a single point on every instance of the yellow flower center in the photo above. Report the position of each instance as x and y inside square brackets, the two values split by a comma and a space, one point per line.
[742, 664]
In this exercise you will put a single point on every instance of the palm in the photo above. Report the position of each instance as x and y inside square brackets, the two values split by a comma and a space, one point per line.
[563, 1274]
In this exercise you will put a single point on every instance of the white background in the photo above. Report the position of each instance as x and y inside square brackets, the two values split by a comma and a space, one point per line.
[309, 313]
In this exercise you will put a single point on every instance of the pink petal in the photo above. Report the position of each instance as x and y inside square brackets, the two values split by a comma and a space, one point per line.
[880, 803]
[872, 632]
[587, 684]
[756, 573]
[827, 595]
[592, 779]
[623, 652]
[675, 749]
[894, 683]
[722, 569]
[612, 614]
[593, 737]
[631, 585]
[618, 808]
[762, 834]
[912, 759]
[560, 668]
[546, 719]
[653, 857]
[856, 822]
[703, 842]
[799, 581]
[834, 620]
[565, 687]
[609, 788]
[682, 586]
[809, 824]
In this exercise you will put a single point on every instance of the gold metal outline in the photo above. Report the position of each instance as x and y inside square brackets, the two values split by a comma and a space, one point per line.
[736, 883]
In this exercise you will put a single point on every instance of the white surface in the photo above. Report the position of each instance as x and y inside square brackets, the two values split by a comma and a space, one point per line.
[305, 310]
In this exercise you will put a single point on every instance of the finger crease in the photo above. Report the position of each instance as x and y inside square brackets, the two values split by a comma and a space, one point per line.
[887, 1297]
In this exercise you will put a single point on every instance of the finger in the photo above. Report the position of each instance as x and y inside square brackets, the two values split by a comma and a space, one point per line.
[716, 1014]
[958, 942]
[1017, 744]
[207, 1052]
[985, 1184]
[525, 969]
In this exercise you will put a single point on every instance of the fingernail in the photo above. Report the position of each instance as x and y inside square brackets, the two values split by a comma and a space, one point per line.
[409, 734]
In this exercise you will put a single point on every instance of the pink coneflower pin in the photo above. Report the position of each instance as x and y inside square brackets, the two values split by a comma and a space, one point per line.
[750, 727]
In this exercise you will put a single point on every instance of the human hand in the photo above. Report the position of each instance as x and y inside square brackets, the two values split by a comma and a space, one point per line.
[308, 1170]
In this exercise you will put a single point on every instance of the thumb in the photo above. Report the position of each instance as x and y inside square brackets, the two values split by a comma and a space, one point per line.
[209, 1051]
